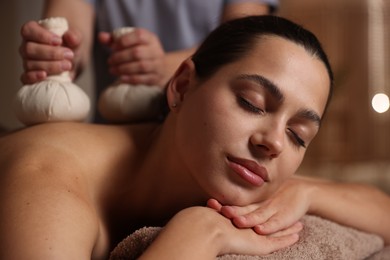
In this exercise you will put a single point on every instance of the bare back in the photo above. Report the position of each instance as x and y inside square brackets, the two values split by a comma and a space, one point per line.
[59, 183]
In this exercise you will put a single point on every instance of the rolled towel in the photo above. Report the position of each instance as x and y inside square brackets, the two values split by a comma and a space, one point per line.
[320, 239]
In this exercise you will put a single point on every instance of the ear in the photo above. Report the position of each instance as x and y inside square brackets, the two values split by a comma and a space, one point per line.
[180, 83]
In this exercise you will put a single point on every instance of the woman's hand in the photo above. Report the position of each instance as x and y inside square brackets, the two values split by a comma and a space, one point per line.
[203, 233]
[284, 209]
[45, 53]
[137, 58]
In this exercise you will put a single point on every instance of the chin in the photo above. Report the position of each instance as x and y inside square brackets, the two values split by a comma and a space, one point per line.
[242, 198]
[234, 199]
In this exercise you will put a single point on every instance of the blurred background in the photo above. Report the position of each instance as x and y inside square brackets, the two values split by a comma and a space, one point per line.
[354, 142]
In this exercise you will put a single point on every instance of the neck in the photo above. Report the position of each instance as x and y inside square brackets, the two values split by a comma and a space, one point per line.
[162, 184]
[169, 185]
[151, 186]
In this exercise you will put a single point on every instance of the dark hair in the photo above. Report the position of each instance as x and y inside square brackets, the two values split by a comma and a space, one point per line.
[233, 39]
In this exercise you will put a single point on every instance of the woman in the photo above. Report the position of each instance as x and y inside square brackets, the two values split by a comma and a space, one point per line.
[243, 110]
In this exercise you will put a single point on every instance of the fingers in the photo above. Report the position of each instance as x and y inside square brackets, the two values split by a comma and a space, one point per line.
[72, 39]
[293, 229]
[36, 70]
[244, 217]
[37, 51]
[137, 67]
[45, 53]
[235, 211]
[32, 31]
[138, 37]
[270, 226]
[245, 241]
[231, 211]
[233, 240]
[283, 238]
[50, 67]
[248, 216]
[39, 70]
[280, 242]
[139, 71]
[32, 77]
[214, 204]
[137, 57]
[253, 219]
[136, 53]
[105, 38]
[263, 219]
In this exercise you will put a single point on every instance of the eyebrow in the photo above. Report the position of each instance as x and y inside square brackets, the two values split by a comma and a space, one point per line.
[310, 115]
[266, 83]
[278, 95]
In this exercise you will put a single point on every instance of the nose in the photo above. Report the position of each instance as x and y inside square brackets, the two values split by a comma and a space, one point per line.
[269, 141]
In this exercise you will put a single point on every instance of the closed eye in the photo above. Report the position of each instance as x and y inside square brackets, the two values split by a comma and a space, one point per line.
[297, 139]
[249, 106]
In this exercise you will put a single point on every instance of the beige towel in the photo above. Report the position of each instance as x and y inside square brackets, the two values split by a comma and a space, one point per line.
[320, 239]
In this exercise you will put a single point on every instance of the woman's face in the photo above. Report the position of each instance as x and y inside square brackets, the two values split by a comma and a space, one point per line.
[245, 130]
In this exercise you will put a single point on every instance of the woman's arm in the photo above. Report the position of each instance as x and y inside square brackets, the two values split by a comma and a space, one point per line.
[202, 233]
[356, 205]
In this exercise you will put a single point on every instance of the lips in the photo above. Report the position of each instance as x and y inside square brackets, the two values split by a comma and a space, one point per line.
[249, 170]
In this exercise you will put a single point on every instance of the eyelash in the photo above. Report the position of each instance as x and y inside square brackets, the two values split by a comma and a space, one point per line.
[251, 108]
[297, 139]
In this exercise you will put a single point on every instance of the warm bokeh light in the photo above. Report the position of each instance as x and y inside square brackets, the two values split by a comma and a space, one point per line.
[380, 103]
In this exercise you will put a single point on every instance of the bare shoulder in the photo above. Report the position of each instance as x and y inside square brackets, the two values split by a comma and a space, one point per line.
[47, 190]
[76, 142]
[57, 132]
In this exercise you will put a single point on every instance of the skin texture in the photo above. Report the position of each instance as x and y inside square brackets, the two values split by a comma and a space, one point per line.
[268, 134]
[85, 187]
[138, 58]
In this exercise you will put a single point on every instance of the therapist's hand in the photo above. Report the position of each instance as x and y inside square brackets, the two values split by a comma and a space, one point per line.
[137, 57]
[45, 53]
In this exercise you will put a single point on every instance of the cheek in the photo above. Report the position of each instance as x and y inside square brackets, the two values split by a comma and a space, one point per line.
[290, 164]
[205, 115]
[195, 128]
[205, 128]
[285, 168]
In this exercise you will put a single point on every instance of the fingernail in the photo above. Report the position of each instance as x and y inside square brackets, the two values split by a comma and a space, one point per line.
[56, 40]
[66, 65]
[259, 230]
[41, 75]
[68, 54]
